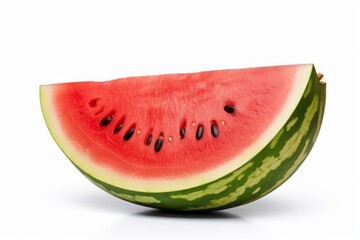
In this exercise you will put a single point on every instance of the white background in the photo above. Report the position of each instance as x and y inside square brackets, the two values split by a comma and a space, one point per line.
[44, 197]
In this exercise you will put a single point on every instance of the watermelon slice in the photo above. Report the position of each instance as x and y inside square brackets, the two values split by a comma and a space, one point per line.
[198, 141]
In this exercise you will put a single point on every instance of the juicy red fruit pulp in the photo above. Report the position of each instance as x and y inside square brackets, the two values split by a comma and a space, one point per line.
[172, 125]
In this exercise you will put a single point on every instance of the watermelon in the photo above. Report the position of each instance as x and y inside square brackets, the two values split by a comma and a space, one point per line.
[192, 141]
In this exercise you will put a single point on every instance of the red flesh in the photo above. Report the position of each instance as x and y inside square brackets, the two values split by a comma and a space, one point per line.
[161, 105]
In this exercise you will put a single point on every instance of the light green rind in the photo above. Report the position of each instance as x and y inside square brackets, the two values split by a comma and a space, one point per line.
[271, 167]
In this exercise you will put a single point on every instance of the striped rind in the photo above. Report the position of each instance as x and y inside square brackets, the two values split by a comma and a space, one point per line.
[266, 171]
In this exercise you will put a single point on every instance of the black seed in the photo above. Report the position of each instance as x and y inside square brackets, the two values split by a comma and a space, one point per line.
[199, 132]
[158, 144]
[128, 134]
[182, 132]
[229, 109]
[148, 139]
[118, 128]
[214, 130]
[106, 120]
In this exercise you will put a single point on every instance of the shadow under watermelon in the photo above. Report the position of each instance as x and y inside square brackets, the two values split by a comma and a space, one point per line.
[203, 215]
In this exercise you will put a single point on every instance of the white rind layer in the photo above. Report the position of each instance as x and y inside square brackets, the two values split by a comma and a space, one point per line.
[81, 159]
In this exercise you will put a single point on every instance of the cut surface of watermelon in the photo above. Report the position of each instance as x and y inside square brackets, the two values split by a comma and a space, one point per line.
[173, 132]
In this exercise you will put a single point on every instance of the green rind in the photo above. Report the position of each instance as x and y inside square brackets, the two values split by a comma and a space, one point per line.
[266, 171]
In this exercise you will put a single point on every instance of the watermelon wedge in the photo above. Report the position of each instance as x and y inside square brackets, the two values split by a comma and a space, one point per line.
[189, 142]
